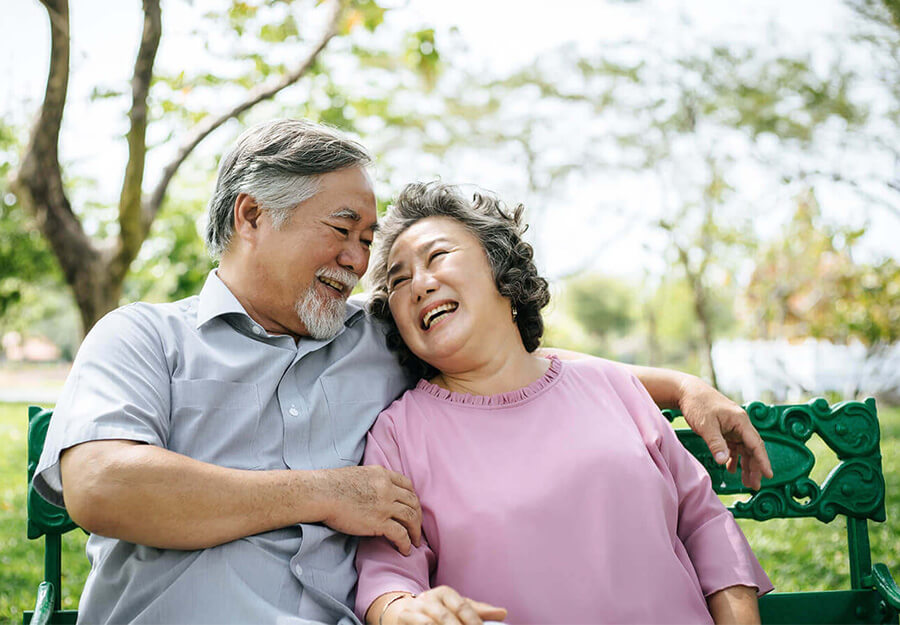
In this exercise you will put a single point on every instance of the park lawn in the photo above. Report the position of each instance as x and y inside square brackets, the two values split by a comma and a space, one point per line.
[798, 554]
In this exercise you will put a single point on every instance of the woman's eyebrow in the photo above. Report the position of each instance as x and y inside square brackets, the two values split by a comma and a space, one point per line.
[424, 247]
[395, 268]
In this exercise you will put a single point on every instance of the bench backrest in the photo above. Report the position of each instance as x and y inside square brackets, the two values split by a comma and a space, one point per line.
[854, 489]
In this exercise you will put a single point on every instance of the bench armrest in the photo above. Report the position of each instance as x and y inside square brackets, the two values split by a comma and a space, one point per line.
[886, 586]
[43, 605]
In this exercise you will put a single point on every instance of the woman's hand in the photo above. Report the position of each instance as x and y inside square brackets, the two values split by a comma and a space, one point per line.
[735, 605]
[441, 605]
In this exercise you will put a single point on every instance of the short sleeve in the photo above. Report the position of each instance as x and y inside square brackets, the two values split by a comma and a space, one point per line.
[718, 550]
[380, 566]
[118, 388]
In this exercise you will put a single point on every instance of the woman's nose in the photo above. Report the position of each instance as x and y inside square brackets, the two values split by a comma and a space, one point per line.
[423, 283]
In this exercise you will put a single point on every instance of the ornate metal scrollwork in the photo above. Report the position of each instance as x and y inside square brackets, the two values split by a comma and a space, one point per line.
[855, 487]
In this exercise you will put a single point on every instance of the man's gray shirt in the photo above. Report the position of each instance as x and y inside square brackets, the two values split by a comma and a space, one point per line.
[201, 378]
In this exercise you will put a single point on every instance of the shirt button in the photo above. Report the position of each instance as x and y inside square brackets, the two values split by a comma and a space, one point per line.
[256, 330]
[294, 412]
[298, 570]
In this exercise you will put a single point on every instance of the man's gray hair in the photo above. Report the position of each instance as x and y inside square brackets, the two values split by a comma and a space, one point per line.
[278, 163]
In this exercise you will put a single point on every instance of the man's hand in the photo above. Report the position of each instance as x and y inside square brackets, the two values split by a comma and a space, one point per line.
[373, 501]
[441, 605]
[726, 429]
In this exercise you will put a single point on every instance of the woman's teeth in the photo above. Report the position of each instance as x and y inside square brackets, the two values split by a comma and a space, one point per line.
[434, 313]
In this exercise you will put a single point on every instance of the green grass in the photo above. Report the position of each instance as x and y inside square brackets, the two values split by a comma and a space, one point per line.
[800, 554]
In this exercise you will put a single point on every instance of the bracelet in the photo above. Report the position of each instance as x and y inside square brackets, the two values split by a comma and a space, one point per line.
[388, 604]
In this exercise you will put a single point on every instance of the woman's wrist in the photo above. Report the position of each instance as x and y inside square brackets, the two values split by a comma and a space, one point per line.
[386, 608]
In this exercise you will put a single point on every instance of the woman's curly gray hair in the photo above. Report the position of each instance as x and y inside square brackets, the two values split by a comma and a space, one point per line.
[500, 233]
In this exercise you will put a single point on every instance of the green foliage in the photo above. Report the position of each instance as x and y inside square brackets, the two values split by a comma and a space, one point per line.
[33, 298]
[808, 283]
[605, 307]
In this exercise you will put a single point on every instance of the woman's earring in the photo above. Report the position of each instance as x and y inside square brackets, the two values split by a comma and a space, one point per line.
[515, 313]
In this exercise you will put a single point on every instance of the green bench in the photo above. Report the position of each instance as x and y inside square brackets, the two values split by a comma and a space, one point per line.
[854, 489]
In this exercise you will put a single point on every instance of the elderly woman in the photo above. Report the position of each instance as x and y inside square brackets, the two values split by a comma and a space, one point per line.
[555, 490]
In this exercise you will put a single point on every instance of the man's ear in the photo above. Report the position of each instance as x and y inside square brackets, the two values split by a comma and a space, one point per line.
[246, 217]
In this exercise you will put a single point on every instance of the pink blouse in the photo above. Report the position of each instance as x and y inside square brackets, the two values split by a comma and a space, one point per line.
[568, 501]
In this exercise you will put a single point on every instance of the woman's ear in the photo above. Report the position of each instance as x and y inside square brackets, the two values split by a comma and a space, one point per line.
[246, 217]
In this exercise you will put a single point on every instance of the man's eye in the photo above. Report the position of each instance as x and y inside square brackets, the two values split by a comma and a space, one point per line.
[366, 244]
[342, 231]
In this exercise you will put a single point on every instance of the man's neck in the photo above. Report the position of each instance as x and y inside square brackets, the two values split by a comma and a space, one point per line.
[243, 288]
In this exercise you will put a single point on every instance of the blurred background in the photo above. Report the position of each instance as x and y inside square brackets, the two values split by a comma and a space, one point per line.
[711, 186]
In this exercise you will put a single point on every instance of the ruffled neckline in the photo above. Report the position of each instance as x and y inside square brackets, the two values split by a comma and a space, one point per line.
[508, 398]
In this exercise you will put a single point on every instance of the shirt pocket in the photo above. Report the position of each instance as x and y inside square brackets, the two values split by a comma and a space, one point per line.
[216, 421]
[352, 410]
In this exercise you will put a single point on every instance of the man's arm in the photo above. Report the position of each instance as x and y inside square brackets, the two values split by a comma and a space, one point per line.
[152, 496]
[720, 422]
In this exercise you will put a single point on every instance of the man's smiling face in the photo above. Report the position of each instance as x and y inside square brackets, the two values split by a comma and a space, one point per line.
[308, 267]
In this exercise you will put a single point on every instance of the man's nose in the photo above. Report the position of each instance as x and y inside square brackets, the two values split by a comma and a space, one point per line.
[354, 258]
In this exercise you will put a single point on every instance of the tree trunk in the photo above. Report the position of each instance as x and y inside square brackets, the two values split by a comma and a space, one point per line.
[654, 350]
[96, 270]
[702, 312]
[95, 293]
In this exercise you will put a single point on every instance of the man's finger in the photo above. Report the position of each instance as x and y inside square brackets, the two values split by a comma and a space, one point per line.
[731, 467]
[408, 498]
[402, 481]
[751, 478]
[411, 519]
[717, 445]
[755, 452]
[398, 535]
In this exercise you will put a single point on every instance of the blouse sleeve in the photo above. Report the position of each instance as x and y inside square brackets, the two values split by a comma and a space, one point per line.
[380, 566]
[720, 553]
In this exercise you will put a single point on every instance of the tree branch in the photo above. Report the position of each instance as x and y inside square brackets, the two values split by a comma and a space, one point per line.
[211, 122]
[132, 231]
[38, 180]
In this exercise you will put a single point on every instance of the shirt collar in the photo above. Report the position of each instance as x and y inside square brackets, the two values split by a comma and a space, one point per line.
[216, 299]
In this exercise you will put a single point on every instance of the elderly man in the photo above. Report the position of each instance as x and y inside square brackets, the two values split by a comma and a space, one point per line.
[211, 445]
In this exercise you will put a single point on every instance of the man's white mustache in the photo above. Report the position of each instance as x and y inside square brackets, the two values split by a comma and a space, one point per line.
[347, 278]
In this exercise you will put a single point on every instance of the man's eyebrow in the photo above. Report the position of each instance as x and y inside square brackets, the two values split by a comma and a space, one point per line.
[352, 215]
[346, 213]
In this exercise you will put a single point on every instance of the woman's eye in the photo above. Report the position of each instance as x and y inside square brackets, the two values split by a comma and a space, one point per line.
[435, 254]
[397, 282]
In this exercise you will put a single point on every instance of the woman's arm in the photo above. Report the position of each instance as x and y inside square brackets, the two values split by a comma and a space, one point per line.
[733, 605]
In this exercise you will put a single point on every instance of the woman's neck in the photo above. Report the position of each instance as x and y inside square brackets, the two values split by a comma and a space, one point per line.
[500, 374]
